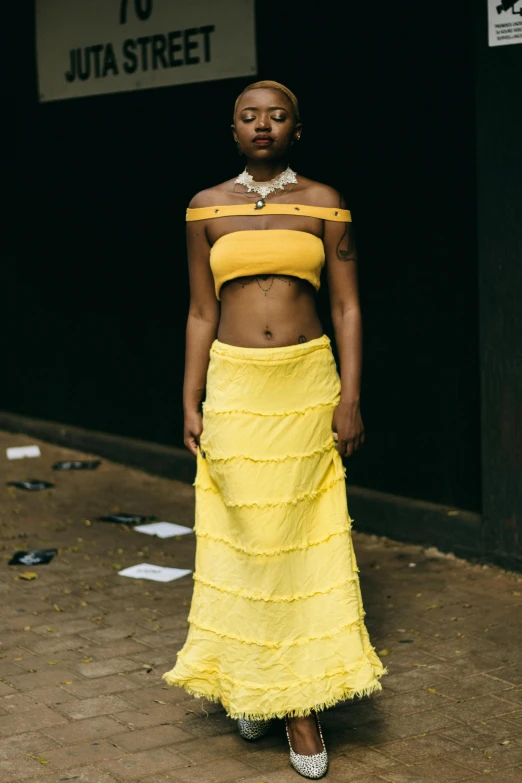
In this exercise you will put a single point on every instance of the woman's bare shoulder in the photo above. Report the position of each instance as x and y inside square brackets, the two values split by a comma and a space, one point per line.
[217, 195]
[321, 195]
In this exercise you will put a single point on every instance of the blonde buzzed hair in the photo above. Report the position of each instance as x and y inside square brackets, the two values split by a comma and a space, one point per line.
[268, 84]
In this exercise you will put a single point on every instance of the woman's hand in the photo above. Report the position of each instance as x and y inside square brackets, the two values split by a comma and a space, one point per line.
[193, 427]
[348, 428]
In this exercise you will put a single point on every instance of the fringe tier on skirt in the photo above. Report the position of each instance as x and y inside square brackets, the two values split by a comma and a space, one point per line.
[276, 620]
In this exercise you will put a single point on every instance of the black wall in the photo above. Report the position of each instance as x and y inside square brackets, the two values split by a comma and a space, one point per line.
[95, 282]
[499, 167]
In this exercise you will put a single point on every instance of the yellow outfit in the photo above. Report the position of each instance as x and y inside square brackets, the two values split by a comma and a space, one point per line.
[277, 251]
[276, 620]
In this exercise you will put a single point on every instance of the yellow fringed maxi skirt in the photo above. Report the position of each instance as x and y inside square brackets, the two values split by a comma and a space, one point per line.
[276, 625]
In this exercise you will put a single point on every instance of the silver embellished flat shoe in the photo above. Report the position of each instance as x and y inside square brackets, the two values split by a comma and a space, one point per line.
[312, 767]
[252, 729]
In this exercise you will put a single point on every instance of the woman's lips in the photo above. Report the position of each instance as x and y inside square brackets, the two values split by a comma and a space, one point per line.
[263, 141]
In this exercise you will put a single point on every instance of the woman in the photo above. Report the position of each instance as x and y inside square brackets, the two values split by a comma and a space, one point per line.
[276, 621]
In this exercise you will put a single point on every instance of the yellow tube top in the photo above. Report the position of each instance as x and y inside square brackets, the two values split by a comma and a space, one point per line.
[271, 251]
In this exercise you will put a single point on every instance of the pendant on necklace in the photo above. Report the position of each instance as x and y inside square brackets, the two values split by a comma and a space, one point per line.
[260, 204]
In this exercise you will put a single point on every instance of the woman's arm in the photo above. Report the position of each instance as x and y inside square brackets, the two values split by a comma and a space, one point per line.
[341, 265]
[202, 325]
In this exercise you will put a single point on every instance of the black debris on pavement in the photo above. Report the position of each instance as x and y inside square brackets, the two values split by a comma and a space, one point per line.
[77, 465]
[31, 485]
[33, 557]
[127, 519]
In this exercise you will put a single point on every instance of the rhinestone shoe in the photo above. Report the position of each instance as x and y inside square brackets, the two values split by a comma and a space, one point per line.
[312, 767]
[252, 729]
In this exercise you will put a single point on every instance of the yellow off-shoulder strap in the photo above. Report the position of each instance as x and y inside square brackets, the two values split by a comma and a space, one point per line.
[324, 213]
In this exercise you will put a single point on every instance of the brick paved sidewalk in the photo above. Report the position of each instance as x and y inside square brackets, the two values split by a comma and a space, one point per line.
[83, 650]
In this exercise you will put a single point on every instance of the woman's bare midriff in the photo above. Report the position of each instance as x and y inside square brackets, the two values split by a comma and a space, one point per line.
[276, 311]
[268, 311]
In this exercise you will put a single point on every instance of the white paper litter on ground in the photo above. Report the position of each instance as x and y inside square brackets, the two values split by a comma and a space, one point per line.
[18, 452]
[164, 529]
[154, 572]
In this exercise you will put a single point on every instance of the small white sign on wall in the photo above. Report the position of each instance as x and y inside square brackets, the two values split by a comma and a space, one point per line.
[505, 22]
[90, 47]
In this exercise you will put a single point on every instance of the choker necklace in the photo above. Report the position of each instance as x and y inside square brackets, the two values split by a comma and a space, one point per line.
[263, 189]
